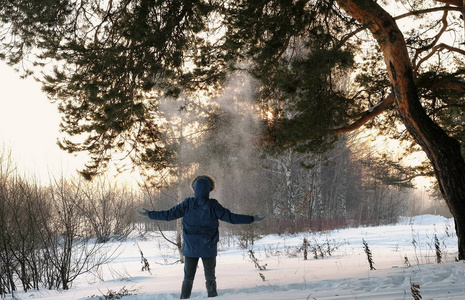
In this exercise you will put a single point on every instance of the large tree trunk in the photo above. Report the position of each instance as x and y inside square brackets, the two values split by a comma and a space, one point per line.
[443, 151]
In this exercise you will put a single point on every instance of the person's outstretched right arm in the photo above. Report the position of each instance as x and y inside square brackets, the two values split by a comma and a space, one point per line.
[174, 213]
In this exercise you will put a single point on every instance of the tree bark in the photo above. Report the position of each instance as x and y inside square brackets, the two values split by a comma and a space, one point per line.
[442, 150]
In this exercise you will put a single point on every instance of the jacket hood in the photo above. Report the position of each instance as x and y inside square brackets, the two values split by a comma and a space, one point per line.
[202, 186]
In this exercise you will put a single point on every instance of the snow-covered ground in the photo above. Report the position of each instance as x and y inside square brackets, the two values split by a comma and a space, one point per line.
[345, 274]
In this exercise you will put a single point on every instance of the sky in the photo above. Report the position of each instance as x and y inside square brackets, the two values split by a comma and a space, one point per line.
[403, 254]
[29, 127]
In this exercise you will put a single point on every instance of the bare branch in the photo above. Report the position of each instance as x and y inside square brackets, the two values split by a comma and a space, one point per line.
[438, 48]
[164, 236]
[428, 10]
[368, 115]
[432, 44]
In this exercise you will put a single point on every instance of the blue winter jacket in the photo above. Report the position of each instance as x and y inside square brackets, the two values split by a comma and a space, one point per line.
[200, 220]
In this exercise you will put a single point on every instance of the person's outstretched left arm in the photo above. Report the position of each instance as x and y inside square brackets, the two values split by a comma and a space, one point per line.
[226, 215]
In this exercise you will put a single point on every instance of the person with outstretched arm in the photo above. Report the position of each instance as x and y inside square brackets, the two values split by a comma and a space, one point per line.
[200, 231]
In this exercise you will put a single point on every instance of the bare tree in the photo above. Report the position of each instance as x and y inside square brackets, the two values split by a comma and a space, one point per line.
[68, 247]
[25, 198]
[108, 209]
[7, 261]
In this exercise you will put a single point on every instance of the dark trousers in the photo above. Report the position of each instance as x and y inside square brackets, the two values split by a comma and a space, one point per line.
[190, 267]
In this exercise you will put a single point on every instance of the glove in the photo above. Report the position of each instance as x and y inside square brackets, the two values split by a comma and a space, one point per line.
[144, 212]
[257, 218]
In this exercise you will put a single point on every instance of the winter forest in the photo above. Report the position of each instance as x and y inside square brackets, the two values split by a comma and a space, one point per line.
[319, 115]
